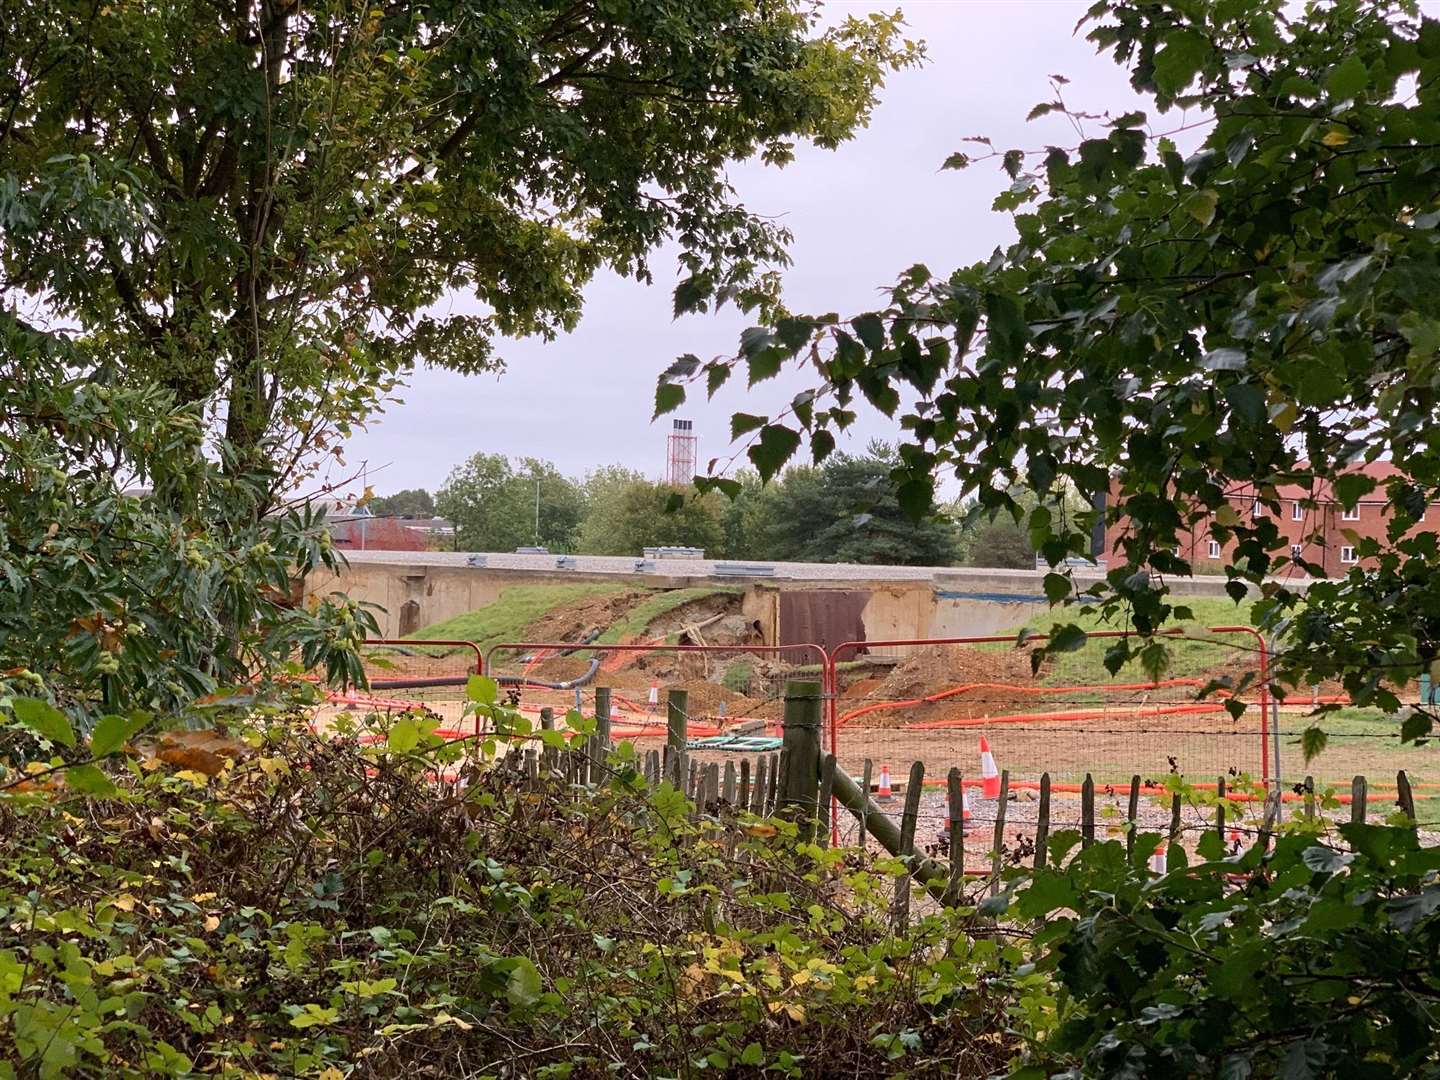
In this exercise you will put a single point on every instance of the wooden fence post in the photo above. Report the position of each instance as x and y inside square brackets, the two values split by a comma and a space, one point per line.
[1132, 812]
[1220, 807]
[1359, 796]
[865, 787]
[955, 793]
[1309, 798]
[1042, 823]
[802, 749]
[913, 790]
[757, 803]
[827, 788]
[677, 708]
[743, 802]
[1087, 812]
[600, 744]
[728, 794]
[1405, 797]
[998, 854]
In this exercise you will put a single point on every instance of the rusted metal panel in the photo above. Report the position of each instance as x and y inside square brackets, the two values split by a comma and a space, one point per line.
[824, 617]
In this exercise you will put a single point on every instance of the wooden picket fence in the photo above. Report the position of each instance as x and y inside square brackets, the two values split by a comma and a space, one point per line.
[802, 784]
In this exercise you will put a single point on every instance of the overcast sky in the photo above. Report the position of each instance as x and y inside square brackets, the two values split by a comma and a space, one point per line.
[860, 216]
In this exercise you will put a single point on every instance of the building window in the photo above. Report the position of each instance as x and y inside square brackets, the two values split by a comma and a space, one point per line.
[1258, 509]
[1295, 550]
[1297, 512]
[1214, 549]
[1352, 514]
[1347, 555]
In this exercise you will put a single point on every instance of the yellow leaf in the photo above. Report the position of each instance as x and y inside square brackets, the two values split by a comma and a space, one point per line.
[212, 923]
[795, 1012]
[800, 978]
[203, 897]
[125, 902]
[445, 1018]
[331, 1073]
[1336, 137]
[273, 766]
[199, 779]
[761, 830]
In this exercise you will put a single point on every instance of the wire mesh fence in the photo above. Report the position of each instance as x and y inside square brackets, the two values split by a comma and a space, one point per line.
[933, 701]
[731, 691]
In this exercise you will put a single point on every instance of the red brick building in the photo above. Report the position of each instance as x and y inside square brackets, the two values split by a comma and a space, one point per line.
[1317, 527]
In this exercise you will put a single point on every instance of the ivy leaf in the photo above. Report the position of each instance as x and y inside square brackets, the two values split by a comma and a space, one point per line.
[777, 444]
[44, 719]
[89, 780]
[669, 396]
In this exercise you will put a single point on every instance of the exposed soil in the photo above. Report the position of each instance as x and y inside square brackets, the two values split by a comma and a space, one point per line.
[580, 618]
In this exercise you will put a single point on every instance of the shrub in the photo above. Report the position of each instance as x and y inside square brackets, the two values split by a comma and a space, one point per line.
[403, 906]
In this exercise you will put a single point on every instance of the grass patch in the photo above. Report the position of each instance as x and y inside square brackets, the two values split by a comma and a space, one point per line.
[512, 611]
[633, 625]
[1197, 655]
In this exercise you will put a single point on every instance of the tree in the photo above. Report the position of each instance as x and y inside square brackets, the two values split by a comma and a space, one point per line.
[640, 513]
[134, 574]
[493, 504]
[1265, 310]
[258, 205]
[846, 510]
[410, 502]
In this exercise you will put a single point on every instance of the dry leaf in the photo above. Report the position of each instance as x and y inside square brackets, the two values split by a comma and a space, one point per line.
[212, 923]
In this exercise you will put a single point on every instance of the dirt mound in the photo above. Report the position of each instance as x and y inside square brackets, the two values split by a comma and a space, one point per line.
[588, 615]
[940, 667]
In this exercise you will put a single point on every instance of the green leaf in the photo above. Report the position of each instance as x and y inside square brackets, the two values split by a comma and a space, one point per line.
[44, 719]
[1415, 726]
[777, 444]
[1226, 359]
[1201, 205]
[482, 690]
[89, 780]
[1347, 78]
[1067, 639]
[1005, 323]
[1312, 741]
[1057, 587]
[743, 423]
[870, 329]
[112, 732]
[753, 1055]
[404, 735]
[669, 396]
[715, 376]
[1177, 64]
[523, 987]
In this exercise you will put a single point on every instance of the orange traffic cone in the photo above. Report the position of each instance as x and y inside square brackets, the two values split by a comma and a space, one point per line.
[989, 774]
[884, 791]
[1157, 860]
